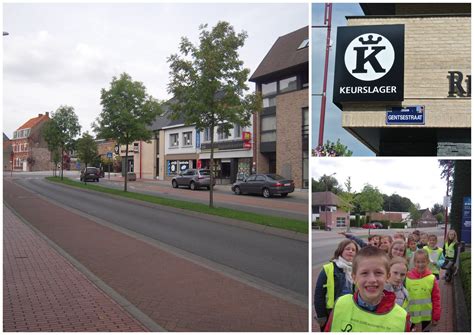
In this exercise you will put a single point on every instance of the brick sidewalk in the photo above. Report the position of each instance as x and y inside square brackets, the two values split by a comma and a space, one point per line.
[44, 292]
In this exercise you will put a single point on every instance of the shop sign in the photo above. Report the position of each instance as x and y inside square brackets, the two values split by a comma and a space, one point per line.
[247, 138]
[455, 84]
[183, 165]
[369, 63]
[172, 167]
[406, 115]
[224, 145]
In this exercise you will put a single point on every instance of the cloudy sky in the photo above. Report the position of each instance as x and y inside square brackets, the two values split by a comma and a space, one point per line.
[417, 178]
[333, 119]
[64, 54]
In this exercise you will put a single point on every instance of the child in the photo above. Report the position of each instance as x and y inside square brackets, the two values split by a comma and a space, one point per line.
[422, 287]
[335, 280]
[450, 252]
[399, 236]
[410, 251]
[423, 241]
[372, 239]
[435, 254]
[385, 243]
[398, 272]
[370, 308]
[397, 249]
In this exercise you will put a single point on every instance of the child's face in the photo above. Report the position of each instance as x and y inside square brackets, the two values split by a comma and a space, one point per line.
[424, 239]
[421, 263]
[398, 250]
[451, 235]
[432, 242]
[370, 278]
[384, 244]
[349, 252]
[373, 242]
[416, 237]
[412, 245]
[398, 272]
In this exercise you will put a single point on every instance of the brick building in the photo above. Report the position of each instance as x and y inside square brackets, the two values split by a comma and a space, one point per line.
[30, 150]
[326, 206]
[426, 219]
[7, 151]
[436, 70]
[281, 130]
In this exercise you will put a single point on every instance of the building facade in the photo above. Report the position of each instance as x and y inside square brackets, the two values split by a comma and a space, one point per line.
[30, 150]
[429, 113]
[281, 129]
[326, 207]
[7, 153]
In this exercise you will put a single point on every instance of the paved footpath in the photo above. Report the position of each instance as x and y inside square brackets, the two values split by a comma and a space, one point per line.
[42, 291]
[176, 293]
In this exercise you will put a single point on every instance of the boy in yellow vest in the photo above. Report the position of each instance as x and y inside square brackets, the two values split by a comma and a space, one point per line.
[370, 308]
[422, 286]
[435, 254]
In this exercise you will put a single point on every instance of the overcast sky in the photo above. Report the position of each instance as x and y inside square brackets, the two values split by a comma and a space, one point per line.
[417, 178]
[64, 54]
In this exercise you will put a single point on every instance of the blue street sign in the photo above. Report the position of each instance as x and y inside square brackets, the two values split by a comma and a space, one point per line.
[466, 221]
[406, 115]
[109, 154]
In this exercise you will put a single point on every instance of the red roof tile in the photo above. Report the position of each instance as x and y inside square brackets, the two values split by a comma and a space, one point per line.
[34, 121]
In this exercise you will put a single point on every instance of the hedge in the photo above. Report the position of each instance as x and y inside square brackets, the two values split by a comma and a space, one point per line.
[319, 225]
[466, 278]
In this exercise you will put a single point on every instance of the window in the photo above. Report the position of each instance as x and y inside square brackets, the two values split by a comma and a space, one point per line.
[237, 131]
[188, 138]
[269, 102]
[207, 134]
[340, 221]
[222, 134]
[260, 178]
[269, 89]
[288, 84]
[304, 44]
[15, 134]
[174, 140]
[305, 122]
[268, 129]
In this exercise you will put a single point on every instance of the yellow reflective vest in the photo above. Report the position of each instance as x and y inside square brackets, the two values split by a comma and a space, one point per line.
[419, 290]
[329, 270]
[450, 249]
[350, 317]
[435, 255]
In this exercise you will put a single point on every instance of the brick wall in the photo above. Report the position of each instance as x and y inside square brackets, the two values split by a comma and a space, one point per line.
[289, 154]
[433, 46]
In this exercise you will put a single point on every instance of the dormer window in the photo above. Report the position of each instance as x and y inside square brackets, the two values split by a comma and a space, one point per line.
[304, 44]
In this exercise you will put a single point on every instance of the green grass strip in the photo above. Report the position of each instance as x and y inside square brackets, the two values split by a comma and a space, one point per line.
[266, 220]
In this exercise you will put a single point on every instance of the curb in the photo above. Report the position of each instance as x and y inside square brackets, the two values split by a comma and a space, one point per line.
[212, 218]
[461, 317]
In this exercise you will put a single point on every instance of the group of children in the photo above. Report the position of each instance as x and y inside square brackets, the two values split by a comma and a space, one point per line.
[389, 284]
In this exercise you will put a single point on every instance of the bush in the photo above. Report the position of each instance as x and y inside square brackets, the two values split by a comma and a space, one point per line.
[319, 225]
[466, 278]
[397, 225]
[354, 223]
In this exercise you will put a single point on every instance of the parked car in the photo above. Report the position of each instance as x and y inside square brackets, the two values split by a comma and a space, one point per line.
[91, 173]
[194, 179]
[373, 225]
[264, 184]
[379, 225]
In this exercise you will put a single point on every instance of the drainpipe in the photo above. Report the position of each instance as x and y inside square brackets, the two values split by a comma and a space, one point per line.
[140, 153]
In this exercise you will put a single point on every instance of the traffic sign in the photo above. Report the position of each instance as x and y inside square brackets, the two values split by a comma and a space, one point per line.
[109, 154]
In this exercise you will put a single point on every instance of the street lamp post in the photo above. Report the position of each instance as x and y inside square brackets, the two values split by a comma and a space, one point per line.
[326, 200]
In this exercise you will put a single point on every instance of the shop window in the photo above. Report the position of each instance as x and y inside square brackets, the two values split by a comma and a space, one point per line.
[188, 138]
[174, 140]
[237, 131]
[288, 84]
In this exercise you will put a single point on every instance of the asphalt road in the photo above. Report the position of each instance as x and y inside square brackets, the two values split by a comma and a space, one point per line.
[280, 261]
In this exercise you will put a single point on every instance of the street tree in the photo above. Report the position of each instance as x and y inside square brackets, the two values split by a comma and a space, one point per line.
[332, 149]
[86, 150]
[51, 134]
[61, 131]
[447, 172]
[437, 208]
[370, 199]
[415, 214]
[127, 113]
[326, 183]
[208, 82]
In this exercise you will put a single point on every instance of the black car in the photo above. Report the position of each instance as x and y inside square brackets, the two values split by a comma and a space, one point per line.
[265, 184]
[193, 178]
[91, 173]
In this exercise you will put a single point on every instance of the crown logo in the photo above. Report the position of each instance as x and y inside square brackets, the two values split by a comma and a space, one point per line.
[370, 40]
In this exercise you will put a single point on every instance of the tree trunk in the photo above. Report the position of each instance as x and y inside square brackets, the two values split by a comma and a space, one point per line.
[211, 188]
[126, 168]
[62, 162]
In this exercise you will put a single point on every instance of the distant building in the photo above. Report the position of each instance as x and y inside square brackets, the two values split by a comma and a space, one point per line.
[326, 206]
[426, 220]
[30, 150]
[281, 129]
[7, 153]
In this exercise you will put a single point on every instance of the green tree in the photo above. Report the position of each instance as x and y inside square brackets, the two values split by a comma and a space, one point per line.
[447, 172]
[127, 112]
[396, 203]
[86, 150]
[51, 134]
[415, 214]
[461, 189]
[328, 183]
[60, 132]
[208, 82]
[437, 208]
[440, 217]
[370, 199]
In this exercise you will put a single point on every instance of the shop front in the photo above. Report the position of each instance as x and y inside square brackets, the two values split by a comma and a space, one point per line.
[179, 163]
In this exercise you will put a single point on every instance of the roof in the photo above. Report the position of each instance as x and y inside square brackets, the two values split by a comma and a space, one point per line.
[283, 55]
[34, 121]
[5, 137]
[326, 199]
[164, 120]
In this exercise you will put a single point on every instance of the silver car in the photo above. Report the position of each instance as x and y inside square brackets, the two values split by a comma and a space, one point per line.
[194, 179]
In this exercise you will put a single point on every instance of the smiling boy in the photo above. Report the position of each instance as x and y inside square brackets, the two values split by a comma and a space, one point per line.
[371, 308]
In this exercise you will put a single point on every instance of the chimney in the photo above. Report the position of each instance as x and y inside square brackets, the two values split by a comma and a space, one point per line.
[47, 114]
[40, 115]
